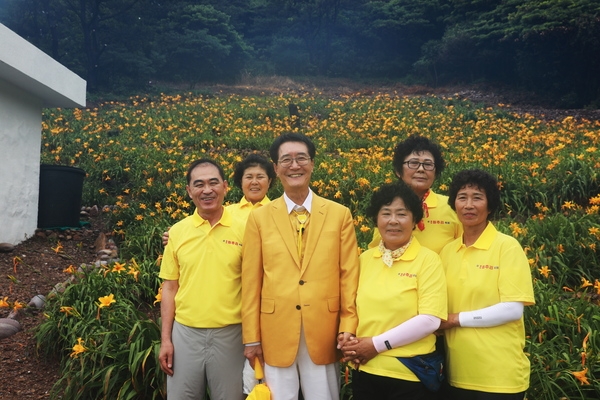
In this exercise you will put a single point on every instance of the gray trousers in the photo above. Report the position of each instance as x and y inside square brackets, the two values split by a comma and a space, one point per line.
[213, 357]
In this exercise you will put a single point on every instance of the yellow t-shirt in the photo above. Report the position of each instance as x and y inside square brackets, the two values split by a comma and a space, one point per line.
[441, 226]
[242, 209]
[207, 262]
[386, 297]
[493, 270]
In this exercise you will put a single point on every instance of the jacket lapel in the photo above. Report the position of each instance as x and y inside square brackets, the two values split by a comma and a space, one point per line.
[281, 219]
[317, 221]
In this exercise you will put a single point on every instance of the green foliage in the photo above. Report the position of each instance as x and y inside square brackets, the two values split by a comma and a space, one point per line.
[109, 351]
[548, 47]
[201, 45]
[136, 151]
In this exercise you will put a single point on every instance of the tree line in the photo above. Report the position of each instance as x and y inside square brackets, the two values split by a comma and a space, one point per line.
[548, 47]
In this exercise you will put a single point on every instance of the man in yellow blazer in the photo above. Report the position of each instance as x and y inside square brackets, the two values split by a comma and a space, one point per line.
[299, 279]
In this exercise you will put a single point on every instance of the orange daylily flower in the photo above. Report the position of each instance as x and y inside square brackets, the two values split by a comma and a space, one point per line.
[4, 302]
[581, 376]
[118, 267]
[545, 271]
[67, 310]
[70, 269]
[58, 247]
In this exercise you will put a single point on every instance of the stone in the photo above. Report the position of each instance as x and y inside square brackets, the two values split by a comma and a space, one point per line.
[94, 211]
[6, 247]
[37, 301]
[100, 243]
[8, 327]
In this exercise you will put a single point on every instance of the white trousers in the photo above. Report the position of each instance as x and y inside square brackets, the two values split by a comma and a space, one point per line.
[318, 382]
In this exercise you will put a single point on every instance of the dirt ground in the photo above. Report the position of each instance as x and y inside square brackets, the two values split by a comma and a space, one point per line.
[33, 267]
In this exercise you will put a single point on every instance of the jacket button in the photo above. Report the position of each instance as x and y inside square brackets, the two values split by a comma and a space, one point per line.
[298, 307]
[301, 282]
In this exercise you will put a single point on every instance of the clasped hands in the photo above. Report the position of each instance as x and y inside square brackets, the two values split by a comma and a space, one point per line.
[358, 350]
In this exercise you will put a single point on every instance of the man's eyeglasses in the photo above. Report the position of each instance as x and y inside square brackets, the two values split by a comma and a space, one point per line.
[287, 161]
[415, 164]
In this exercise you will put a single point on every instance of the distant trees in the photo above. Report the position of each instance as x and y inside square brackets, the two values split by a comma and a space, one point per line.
[550, 47]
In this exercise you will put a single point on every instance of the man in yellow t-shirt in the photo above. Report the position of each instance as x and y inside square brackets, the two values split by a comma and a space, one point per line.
[201, 334]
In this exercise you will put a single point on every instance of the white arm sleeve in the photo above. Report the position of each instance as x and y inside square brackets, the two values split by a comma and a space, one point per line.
[495, 315]
[407, 332]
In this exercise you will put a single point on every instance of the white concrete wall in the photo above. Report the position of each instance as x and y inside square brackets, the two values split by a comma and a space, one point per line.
[20, 141]
[29, 81]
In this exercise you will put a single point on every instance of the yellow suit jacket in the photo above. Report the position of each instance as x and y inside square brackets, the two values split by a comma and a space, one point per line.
[280, 297]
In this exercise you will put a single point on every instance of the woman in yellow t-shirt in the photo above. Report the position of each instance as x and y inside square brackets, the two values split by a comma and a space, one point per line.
[489, 282]
[418, 162]
[400, 301]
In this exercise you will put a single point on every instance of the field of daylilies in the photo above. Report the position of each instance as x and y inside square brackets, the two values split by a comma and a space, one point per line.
[135, 153]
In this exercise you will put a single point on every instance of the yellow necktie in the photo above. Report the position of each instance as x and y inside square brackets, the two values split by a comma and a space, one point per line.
[302, 216]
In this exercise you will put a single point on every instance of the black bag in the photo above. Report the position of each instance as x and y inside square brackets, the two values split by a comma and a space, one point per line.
[429, 368]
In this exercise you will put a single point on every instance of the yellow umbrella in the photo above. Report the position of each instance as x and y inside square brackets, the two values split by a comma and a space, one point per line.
[260, 390]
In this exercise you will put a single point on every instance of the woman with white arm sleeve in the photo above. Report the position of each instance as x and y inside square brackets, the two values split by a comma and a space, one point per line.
[489, 283]
[400, 301]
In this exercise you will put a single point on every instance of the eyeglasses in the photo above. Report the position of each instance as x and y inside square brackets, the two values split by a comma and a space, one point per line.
[287, 161]
[415, 164]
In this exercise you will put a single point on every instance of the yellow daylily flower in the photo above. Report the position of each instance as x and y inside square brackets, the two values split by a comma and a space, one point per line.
[585, 283]
[158, 296]
[78, 348]
[106, 301]
[134, 272]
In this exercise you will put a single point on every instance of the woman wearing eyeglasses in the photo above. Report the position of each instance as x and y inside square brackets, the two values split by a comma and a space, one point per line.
[418, 162]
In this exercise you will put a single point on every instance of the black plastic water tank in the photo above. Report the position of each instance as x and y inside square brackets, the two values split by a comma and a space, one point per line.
[61, 188]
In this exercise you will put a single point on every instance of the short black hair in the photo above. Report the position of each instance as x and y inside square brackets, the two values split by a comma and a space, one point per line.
[480, 179]
[253, 160]
[418, 144]
[386, 195]
[194, 164]
[291, 137]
